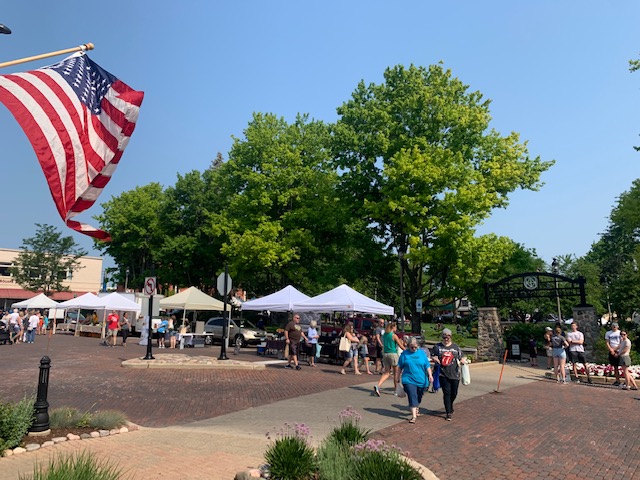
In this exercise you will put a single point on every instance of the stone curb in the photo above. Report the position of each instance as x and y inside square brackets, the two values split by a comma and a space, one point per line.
[176, 361]
[70, 437]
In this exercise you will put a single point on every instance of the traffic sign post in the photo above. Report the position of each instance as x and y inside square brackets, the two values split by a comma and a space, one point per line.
[150, 284]
[224, 287]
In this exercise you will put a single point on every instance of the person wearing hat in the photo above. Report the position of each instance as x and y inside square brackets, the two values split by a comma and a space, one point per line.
[449, 356]
[547, 347]
[612, 338]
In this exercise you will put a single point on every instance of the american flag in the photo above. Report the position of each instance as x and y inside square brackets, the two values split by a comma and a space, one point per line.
[78, 118]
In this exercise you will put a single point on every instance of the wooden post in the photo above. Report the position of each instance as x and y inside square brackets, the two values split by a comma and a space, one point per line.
[80, 48]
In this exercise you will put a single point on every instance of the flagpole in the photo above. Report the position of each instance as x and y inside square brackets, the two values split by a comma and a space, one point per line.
[80, 48]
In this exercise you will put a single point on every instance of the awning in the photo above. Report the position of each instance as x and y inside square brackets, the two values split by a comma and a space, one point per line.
[21, 294]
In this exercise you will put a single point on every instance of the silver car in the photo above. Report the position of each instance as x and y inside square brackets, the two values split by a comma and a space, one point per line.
[241, 332]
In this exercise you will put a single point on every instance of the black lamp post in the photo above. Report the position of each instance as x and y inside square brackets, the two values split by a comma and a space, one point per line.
[126, 279]
[4, 29]
[554, 266]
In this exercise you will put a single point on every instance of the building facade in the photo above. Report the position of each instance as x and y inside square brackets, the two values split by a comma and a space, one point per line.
[85, 279]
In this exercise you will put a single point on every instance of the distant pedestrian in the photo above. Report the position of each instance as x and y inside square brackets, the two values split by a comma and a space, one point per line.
[449, 356]
[293, 334]
[125, 328]
[378, 332]
[351, 356]
[575, 338]
[363, 353]
[612, 338]
[312, 336]
[113, 322]
[173, 332]
[32, 327]
[559, 343]
[391, 343]
[547, 347]
[416, 376]
[624, 354]
[162, 331]
[533, 351]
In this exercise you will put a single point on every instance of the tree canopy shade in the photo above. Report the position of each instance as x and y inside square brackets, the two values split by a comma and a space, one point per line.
[46, 261]
[422, 166]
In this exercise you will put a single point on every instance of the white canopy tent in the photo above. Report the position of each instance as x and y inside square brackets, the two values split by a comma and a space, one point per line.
[115, 301]
[343, 299]
[39, 301]
[88, 300]
[280, 301]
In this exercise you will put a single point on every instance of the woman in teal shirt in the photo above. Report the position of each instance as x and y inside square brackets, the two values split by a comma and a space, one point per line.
[416, 375]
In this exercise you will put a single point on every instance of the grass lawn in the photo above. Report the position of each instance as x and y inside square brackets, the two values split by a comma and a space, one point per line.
[431, 334]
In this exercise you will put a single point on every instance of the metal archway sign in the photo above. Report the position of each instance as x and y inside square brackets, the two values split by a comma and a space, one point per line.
[524, 286]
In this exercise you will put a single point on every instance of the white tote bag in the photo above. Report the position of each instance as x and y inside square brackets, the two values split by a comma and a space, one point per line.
[345, 344]
[465, 374]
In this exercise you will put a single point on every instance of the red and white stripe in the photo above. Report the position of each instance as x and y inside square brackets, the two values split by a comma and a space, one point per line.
[78, 151]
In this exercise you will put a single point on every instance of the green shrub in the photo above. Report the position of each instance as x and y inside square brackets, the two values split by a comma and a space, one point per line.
[383, 465]
[349, 432]
[15, 420]
[290, 458]
[335, 462]
[64, 417]
[80, 466]
[107, 419]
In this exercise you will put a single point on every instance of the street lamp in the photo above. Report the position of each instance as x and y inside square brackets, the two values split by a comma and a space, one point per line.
[554, 267]
[126, 279]
[4, 29]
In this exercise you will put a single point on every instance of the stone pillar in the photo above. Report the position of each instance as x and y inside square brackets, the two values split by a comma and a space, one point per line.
[490, 342]
[589, 325]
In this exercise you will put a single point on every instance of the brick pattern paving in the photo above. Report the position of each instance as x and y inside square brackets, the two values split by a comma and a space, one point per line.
[541, 430]
[88, 376]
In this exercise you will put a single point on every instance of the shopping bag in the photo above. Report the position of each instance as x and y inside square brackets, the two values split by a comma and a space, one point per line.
[436, 378]
[345, 344]
[465, 374]
[400, 391]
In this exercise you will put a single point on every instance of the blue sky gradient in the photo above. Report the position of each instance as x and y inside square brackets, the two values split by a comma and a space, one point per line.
[556, 72]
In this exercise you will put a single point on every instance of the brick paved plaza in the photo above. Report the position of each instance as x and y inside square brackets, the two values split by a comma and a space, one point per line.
[534, 429]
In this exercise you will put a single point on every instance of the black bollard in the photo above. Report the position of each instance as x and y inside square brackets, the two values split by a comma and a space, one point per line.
[41, 407]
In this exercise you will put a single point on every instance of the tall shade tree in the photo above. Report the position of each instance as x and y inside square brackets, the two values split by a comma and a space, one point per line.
[133, 220]
[46, 261]
[423, 168]
[282, 218]
[617, 253]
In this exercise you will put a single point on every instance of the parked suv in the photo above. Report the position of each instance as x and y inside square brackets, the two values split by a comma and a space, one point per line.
[241, 332]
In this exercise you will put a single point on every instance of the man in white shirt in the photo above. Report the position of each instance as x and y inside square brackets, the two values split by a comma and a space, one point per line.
[576, 350]
[612, 337]
[33, 326]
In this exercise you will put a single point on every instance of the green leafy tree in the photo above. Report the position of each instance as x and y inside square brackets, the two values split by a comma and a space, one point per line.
[46, 261]
[282, 217]
[617, 254]
[422, 167]
[133, 221]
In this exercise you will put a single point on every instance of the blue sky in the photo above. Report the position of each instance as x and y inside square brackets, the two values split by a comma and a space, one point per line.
[556, 72]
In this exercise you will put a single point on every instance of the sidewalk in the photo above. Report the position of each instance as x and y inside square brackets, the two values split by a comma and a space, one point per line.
[219, 447]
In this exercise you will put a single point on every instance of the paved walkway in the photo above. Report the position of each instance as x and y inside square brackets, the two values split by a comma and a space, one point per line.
[214, 421]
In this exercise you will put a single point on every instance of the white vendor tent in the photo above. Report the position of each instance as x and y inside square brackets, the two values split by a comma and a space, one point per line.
[342, 299]
[192, 299]
[87, 301]
[39, 301]
[115, 301]
[280, 301]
